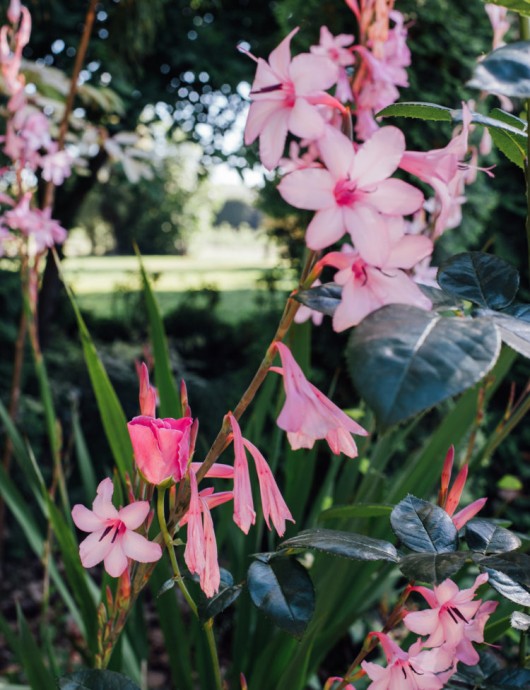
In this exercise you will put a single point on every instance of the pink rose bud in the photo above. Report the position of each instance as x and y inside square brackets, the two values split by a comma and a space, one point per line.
[161, 447]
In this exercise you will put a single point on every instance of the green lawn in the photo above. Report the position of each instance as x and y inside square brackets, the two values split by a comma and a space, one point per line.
[103, 284]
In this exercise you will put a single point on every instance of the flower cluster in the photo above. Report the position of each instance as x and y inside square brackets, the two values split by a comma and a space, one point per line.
[350, 185]
[29, 145]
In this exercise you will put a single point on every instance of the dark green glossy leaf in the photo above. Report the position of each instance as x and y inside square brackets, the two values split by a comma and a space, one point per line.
[509, 679]
[514, 332]
[433, 568]
[519, 311]
[487, 537]
[404, 360]
[505, 574]
[359, 510]
[218, 603]
[92, 679]
[346, 544]
[441, 301]
[323, 298]
[515, 564]
[473, 677]
[520, 6]
[505, 71]
[283, 591]
[421, 111]
[423, 527]
[480, 278]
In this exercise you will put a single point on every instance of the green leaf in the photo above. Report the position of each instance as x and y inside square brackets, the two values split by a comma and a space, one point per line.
[514, 564]
[92, 679]
[404, 360]
[480, 278]
[38, 675]
[421, 111]
[323, 298]
[487, 537]
[359, 510]
[169, 397]
[509, 119]
[505, 71]
[514, 332]
[111, 412]
[509, 146]
[433, 568]
[283, 591]
[218, 603]
[520, 6]
[509, 679]
[75, 573]
[356, 547]
[507, 575]
[86, 469]
[423, 526]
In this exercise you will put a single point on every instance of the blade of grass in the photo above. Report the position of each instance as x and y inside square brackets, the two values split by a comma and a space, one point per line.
[31, 658]
[88, 476]
[169, 397]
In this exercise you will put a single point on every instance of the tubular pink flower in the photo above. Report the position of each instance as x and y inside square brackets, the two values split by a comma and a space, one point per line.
[161, 447]
[308, 415]
[194, 553]
[210, 577]
[450, 621]
[412, 670]
[336, 679]
[244, 514]
[275, 509]
[353, 193]
[113, 539]
[285, 96]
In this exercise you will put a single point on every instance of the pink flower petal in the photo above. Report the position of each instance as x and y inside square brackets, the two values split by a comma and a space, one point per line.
[139, 548]
[395, 197]
[379, 156]
[326, 228]
[116, 560]
[273, 136]
[409, 251]
[85, 519]
[102, 504]
[280, 57]
[95, 548]
[258, 115]
[134, 514]
[305, 121]
[310, 189]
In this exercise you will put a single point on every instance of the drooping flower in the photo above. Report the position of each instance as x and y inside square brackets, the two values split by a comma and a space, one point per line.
[285, 98]
[308, 415]
[113, 538]
[372, 276]
[452, 618]
[275, 509]
[413, 670]
[200, 553]
[161, 447]
[449, 500]
[353, 193]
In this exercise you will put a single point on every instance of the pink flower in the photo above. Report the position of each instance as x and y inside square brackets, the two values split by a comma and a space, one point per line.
[56, 166]
[336, 679]
[450, 621]
[449, 500]
[412, 670]
[334, 48]
[35, 224]
[372, 277]
[161, 447]
[113, 539]
[444, 171]
[200, 553]
[500, 23]
[307, 415]
[275, 509]
[353, 193]
[285, 96]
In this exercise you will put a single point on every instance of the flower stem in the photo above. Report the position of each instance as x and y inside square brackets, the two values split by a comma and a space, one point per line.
[177, 577]
[370, 642]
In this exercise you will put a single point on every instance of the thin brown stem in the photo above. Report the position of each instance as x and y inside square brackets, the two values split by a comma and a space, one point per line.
[371, 642]
[49, 191]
